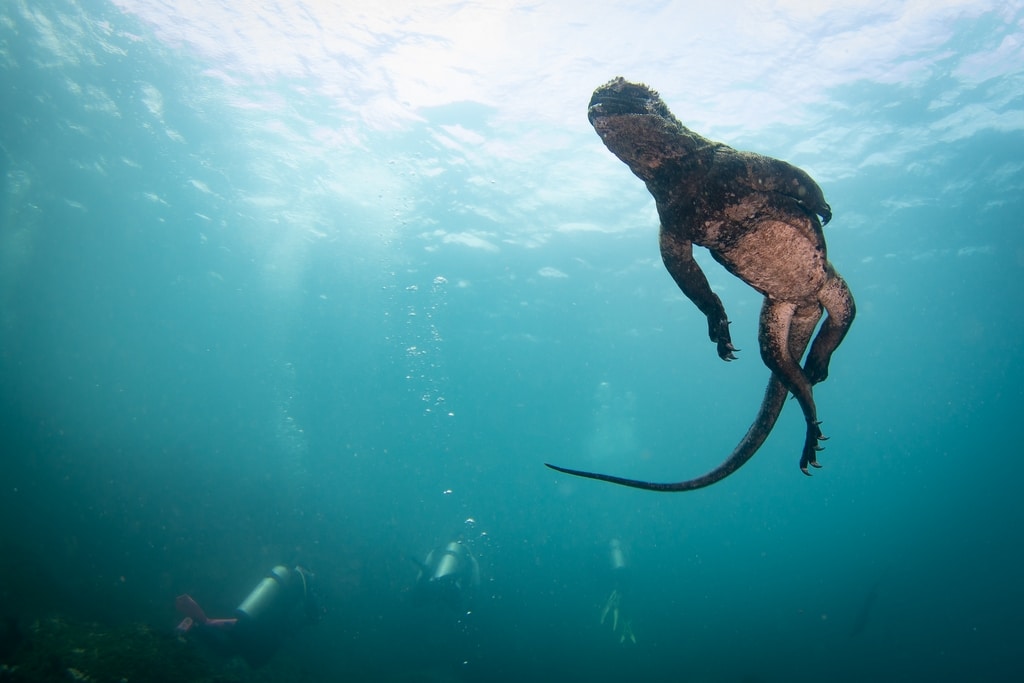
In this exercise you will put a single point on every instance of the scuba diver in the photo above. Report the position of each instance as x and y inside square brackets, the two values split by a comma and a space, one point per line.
[613, 605]
[449, 575]
[279, 606]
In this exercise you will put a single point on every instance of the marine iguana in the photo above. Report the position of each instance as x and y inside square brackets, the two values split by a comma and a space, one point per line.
[758, 216]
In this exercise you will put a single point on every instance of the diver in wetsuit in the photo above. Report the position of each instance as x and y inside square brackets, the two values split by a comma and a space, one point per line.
[613, 607]
[279, 606]
[449, 575]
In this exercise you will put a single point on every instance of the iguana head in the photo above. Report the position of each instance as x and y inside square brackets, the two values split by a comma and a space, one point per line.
[619, 97]
[636, 125]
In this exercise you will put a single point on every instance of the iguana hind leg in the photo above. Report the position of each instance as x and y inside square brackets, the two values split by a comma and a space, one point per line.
[784, 333]
[836, 298]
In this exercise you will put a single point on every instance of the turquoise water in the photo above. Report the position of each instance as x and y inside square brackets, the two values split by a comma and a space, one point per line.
[329, 286]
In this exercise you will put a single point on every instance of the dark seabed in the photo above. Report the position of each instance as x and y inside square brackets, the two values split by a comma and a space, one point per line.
[327, 286]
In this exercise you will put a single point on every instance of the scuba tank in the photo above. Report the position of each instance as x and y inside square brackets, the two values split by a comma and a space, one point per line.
[270, 613]
[618, 560]
[449, 575]
[451, 562]
[274, 595]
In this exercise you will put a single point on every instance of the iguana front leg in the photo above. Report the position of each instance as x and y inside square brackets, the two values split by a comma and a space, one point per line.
[677, 254]
[765, 174]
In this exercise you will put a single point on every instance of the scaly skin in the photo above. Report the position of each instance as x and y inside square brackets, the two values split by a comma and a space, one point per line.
[758, 217]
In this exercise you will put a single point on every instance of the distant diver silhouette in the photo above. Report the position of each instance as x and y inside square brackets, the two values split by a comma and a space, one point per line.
[758, 216]
[864, 614]
[449, 575]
